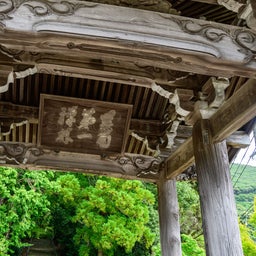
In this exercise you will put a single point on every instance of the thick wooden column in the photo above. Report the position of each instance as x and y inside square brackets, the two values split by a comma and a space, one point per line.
[220, 222]
[169, 217]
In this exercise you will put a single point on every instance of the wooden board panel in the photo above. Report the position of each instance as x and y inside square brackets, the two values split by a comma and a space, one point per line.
[85, 126]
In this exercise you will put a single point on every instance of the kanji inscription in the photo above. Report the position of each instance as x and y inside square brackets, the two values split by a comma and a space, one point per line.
[79, 125]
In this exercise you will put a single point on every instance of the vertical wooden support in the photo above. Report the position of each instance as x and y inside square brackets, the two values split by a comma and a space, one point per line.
[169, 217]
[220, 222]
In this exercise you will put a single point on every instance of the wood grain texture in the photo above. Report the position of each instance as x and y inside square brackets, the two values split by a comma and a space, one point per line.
[220, 222]
[110, 32]
[235, 112]
[127, 166]
[169, 217]
[85, 126]
[180, 159]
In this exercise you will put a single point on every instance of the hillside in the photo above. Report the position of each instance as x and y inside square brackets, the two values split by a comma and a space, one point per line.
[244, 182]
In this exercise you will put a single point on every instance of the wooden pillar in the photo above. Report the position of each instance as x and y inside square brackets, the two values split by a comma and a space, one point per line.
[169, 217]
[220, 222]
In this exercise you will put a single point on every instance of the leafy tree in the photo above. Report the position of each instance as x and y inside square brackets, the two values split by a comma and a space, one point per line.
[190, 246]
[24, 207]
[190, 214]
[249, 246]
[113, 213]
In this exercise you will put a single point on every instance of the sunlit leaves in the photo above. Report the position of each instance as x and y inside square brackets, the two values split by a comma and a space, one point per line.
[115, 213]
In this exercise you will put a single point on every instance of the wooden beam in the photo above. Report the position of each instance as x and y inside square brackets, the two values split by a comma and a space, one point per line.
[129, 166]
[168, 208]
[238, 139]
[234, 113]
[206, 1]
[115, 33]
[220, 221]
[180, 159]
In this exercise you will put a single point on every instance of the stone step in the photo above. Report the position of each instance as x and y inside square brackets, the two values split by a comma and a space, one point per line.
[42, 247]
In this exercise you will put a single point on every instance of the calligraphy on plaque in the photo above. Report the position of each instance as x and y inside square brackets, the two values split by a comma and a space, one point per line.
[84, 126]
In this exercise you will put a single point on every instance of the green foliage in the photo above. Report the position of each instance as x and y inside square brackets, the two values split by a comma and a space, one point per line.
[249, 246]
[190, 247]
[24, 207]
[190, 214]
[114, 213]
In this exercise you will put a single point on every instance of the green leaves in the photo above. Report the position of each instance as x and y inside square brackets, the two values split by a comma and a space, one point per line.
[24, 209]
[115, 213]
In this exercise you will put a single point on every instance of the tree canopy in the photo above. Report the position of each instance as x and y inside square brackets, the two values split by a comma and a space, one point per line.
[90, 215]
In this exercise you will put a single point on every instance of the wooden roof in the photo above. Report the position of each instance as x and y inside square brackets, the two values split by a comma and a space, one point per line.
[149, 54]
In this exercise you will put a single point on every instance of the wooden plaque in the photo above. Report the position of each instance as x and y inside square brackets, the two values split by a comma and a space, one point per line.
[84, 126]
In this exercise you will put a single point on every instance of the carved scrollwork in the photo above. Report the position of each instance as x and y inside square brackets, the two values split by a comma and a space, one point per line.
[15, 153]
[142, 165]
[40, 7]
[247, 41]
[13, 53]
[244, 39]
[6, 7]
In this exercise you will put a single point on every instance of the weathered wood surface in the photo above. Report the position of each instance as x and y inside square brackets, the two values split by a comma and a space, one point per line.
[129, 166]
[180, 159]
[220, 222]
[141, 126]
[84, 126]
[237, 111]
[99, 31]
[169, 217]
[233, 114]
[238, 139]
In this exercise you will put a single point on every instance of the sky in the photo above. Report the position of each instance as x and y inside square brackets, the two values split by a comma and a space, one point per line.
[244, 154]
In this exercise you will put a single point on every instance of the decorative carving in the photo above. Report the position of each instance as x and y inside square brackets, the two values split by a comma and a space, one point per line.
[132, 165]
[13, 53]
[247, 41]
[142, 165]
[16, 153]
[220, 85]
[173, 98]
[42, 8]
[231, 5]
[205, 109]
[244, 39]
[172, 134]
[6, 7]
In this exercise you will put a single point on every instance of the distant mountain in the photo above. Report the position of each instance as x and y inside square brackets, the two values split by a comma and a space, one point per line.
[244, 183]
